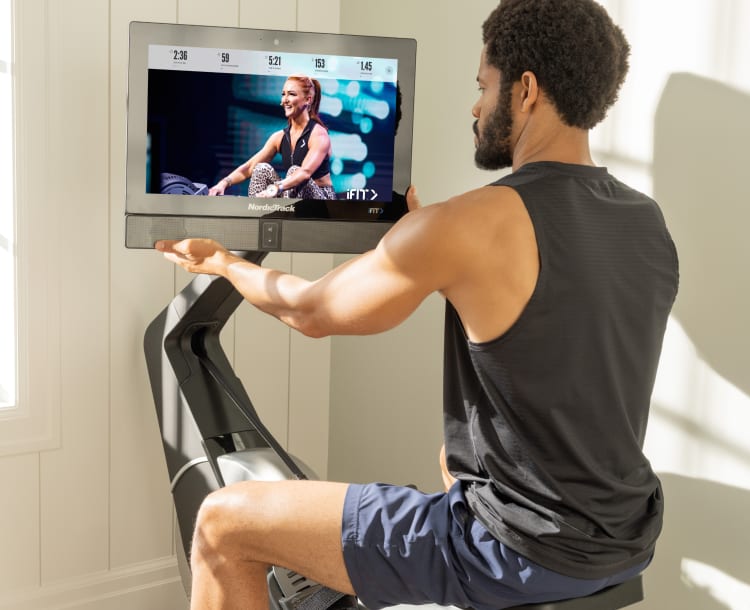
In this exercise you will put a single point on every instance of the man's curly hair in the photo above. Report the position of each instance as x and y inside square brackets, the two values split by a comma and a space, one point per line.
[579, 56]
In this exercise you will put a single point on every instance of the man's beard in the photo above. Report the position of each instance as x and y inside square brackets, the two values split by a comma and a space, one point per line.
[494, 149]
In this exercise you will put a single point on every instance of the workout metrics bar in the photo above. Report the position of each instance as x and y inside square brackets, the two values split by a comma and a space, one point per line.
[242, 61]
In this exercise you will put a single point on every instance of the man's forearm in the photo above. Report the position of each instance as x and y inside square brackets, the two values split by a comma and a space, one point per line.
[279, 294]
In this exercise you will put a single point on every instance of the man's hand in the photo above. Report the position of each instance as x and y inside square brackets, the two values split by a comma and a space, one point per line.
[448, 479]
[412, 199]
[198, 255]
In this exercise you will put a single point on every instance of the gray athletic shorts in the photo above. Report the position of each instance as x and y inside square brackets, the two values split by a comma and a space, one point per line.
[402, 546]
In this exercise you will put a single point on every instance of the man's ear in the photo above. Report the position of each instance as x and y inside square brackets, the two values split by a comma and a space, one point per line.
[529, 91]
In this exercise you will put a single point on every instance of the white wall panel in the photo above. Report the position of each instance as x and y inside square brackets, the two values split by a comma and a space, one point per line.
[19, 522]
[152, 585]
[277, 15]
[319, 15]
[75, 478]
[215, 12]
[310, 374]
[141, 286]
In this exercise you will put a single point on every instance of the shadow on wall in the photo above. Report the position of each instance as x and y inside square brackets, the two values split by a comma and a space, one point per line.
[700, 561]
[701, 414]
[701, 170]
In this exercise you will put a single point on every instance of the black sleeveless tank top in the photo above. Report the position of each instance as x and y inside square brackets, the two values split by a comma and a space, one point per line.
[289, 158]
[545, 425]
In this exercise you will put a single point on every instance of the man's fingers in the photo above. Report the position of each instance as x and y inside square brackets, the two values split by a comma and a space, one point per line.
[412, 199]
[165, 245]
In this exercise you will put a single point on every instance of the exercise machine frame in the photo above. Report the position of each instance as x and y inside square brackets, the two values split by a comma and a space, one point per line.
[211, 433]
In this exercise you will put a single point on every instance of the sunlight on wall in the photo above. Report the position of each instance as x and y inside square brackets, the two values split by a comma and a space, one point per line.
[725, 589]
[704, 37]
[660, 46]
[699, 420]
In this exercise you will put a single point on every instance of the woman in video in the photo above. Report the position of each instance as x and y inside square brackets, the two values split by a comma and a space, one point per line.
[304, 146]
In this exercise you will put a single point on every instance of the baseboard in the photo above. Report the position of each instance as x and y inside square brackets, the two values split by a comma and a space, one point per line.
[152, 585]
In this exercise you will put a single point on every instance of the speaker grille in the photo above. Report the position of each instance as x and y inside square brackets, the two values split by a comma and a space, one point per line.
[331, 236]
[234, 233]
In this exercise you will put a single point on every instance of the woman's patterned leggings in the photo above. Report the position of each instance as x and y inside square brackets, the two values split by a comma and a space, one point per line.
[264, 175]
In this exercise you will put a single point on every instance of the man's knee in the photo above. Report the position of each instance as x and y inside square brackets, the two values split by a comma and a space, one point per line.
[208, 534]
[223, 518]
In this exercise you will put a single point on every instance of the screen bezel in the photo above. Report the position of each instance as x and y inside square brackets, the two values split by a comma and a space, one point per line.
[157, 216]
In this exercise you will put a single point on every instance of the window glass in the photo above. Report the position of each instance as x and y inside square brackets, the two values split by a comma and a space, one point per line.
[7, 237]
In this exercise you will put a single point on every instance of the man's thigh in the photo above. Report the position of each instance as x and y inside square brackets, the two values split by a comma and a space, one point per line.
[294, 524]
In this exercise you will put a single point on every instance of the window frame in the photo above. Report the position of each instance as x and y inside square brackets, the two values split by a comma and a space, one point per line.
[8, 350]
[33, 424]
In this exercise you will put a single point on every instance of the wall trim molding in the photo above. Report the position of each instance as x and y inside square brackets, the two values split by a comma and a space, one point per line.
[154, 584]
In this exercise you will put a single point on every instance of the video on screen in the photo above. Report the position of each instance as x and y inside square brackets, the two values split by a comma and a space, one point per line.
[204, 121]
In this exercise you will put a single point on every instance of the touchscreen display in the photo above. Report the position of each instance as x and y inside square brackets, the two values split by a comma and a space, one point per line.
[212, 109]
[215, 137]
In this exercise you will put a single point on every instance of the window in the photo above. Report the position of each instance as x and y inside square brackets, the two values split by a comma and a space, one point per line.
[8, 341]
[29, 294]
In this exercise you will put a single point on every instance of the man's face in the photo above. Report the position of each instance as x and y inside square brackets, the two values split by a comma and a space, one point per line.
[494, 120]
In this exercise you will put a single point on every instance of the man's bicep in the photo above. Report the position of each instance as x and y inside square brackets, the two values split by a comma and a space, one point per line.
[381, 288]
[367, 295]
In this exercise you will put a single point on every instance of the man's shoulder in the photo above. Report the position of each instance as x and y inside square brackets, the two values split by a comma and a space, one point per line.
[468, 222]
[494, 203]
[495, 194]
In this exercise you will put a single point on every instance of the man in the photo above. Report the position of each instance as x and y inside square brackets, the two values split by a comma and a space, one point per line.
[558, 282]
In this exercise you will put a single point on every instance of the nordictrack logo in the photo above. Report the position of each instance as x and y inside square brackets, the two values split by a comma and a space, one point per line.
[270, 207]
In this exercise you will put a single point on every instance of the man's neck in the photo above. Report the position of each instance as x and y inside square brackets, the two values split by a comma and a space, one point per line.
[552, 140]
